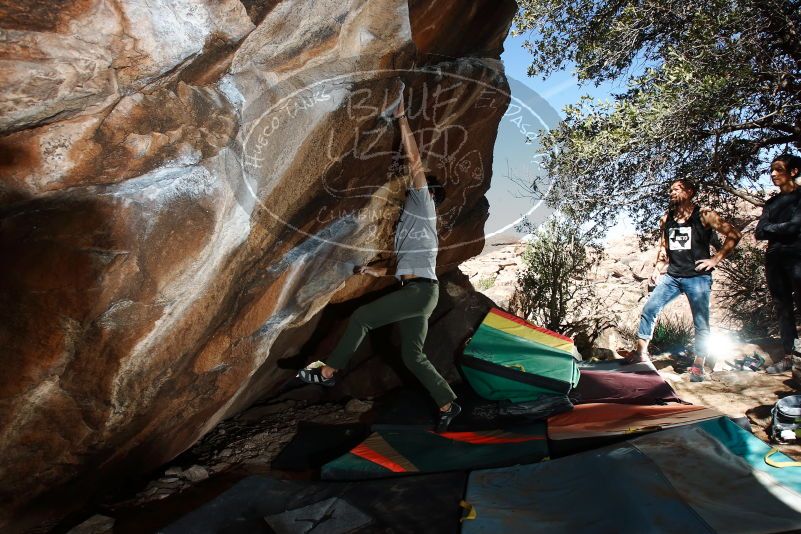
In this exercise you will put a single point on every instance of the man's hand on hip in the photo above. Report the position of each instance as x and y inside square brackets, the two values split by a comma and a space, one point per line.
[706, 265]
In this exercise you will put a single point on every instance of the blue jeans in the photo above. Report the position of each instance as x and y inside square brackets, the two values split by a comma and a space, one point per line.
[697, 289]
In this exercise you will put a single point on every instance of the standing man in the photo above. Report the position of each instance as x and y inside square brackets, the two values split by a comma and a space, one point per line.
[780, 225]
[685, 266]
[416, 245]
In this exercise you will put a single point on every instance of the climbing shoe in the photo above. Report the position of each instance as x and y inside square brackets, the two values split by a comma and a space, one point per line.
[313, 374]
[697, 373]
[444, 418]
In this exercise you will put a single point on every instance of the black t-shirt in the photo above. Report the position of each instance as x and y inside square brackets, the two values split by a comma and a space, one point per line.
[687, 243]
[780, 223]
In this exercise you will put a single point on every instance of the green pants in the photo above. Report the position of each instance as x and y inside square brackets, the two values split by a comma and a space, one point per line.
[410, 307]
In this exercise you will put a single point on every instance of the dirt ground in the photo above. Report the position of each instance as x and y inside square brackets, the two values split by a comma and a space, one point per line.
[737, 393]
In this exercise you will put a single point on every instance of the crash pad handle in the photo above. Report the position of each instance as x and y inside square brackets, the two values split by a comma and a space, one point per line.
[471, 511]
[774, 463]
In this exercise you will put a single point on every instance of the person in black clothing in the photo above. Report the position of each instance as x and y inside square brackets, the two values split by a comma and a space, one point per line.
[780, 225]
[684, 266]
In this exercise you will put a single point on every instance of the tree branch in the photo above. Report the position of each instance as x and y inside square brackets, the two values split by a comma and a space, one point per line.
[752, 199]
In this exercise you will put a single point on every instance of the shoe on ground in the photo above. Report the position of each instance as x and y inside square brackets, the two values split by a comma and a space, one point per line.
[444, 418]
[783, 365]
[313, 374]
[697, 373]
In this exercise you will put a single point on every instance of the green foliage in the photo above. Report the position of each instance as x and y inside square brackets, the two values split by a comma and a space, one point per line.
[743, 291]
[713, 86]
[554, 286]
[486, 282]
[671, 334]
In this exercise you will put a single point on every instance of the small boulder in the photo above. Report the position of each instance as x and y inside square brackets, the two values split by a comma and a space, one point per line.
[97, 524]
[358, 406]
[196, 473]
[257, 413]
[619, 270]
[174, 471]
[602, 353]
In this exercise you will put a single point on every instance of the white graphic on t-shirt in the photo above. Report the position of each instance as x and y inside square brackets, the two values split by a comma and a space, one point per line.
[680, 238]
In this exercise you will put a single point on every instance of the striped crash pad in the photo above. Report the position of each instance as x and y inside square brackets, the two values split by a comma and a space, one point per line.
[589, 426]
[705, 477]
[397, 450]
[510, 359]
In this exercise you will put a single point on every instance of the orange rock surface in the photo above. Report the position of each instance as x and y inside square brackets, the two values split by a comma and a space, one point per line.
[182, 184]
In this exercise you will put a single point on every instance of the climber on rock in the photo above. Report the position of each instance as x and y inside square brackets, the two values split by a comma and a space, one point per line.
[684, 265]
[416, 245]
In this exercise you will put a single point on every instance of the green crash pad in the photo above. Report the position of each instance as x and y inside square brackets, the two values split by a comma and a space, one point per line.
[510, 359]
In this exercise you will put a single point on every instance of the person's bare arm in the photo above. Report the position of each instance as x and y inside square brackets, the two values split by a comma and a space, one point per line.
[374, 271]
[661, 265]
[410, 146]
[731, 237]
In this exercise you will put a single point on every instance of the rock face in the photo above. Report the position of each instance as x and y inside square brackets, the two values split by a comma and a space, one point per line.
[185, 185]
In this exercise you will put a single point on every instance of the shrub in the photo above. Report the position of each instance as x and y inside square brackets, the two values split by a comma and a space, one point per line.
[743, 292]
[671, 334]
[486, 282]
[554, 287]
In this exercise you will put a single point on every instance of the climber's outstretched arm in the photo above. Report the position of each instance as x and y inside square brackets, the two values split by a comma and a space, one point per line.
[416, 168]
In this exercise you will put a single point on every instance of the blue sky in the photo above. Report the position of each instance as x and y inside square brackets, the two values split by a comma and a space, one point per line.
[559, 89]
[507, 200]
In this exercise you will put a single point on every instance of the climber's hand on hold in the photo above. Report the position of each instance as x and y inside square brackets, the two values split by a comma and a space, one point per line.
[371, 271]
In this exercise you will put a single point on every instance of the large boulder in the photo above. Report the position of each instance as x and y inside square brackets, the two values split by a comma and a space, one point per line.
[185, 185]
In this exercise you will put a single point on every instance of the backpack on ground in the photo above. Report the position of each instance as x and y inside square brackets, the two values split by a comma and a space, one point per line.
[786, 424]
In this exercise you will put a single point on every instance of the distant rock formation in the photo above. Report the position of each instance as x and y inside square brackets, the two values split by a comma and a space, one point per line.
[494, 272]
[620, 280]
[185, 185]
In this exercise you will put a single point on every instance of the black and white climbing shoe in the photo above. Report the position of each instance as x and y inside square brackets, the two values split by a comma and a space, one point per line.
[313, 374]
[445, 418]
